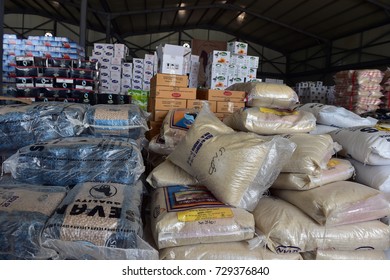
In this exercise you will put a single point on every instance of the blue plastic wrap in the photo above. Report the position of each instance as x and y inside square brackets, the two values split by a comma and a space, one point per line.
[69, 161]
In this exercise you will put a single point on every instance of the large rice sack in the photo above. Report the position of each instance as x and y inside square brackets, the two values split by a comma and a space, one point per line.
[337, 170]
[338, 203]
[267, 95]
[97, 214]
[237, 167]
[271, 121]
[374, 176]
[24, 211]
[323, 129]
[289, 230]
[69, 161]
[125, 120]
[369, 145]
[181, 215]
[345, 255]
[336, 116]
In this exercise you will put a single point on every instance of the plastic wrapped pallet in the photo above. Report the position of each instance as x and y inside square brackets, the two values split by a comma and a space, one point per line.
[267, 95]
[336, 116]
[182, 215]
[169, 174]
[345, 255]
[24, 211]
[374, 176]
[271, 121]
[96, 214]
[338, 203]
[289, 230]
[337, 170]
[367, 144]
[69, 161]
[124, 120]
[237, 167]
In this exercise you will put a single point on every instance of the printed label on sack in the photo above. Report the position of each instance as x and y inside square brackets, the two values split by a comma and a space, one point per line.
[278, 112]
[182, 120]
[204, 214]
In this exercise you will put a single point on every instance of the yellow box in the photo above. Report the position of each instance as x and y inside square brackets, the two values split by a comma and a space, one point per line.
[170, 80]
[197, 103]
[229, 107]
[172, 92]
[221, 95]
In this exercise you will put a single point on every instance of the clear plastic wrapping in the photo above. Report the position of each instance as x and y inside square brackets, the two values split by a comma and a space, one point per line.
[69, 161]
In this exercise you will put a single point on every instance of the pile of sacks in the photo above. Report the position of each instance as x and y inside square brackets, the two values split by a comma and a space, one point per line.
[77, 192]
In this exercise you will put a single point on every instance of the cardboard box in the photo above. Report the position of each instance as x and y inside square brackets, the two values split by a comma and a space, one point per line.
[171, 59]
[221, 116]
[159, 116]
[237, 48]
[155, 128]
[198, 103]
[170, 80]
[220, 95]
[173, 92]
[156, 104]
[229, 107]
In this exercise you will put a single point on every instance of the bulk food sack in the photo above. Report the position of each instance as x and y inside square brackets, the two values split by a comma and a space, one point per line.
[124, 120]
[345, 255]
[182, 215]
[289, 230]
[369, 145]
[24, 211]
[69, 161]
[267, 95]
[169, 174]
[237, 167]
[338, 203]
[97, 214]
[337, 170]
[336, 116]
[374, 176]
[271, 121]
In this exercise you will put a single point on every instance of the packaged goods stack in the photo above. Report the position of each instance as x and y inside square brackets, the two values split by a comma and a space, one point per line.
[315, 92]
[386, 90]
[358, 90]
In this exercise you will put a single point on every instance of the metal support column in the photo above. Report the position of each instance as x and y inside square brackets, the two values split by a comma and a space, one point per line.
[83, 24]
[108, 29]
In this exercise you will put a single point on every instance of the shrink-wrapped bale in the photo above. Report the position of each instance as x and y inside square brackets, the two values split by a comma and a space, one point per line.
[338, 203]
[271, 121]
[182, 215]
[345, 255]
[290, 230]
[267, 95]
[96, 214]
[125, 120]
[69, 161]
[337, 170]
[237, 167]
[24, 211]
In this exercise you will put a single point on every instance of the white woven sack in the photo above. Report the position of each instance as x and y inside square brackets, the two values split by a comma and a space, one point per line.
[184, 216]
[336, 116]
[338, 203]
[337, 170]
[369, 145]
[271, 121]
[237, 167]
[289, 230]
[374, 176]
[323, 129]
[267, 94]
[345, 255]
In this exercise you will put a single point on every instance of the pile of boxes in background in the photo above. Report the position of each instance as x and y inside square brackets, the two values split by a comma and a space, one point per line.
[315, 92]
[234, 65]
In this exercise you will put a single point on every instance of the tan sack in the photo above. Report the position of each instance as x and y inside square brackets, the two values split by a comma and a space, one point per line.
[345, 255]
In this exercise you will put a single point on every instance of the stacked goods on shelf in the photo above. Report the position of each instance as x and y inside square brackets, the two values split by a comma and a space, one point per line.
[386, 90]
[315, 92]
[358, 90]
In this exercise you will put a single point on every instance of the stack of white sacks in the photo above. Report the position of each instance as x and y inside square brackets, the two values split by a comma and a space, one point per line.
[386, 89]
[306, 206]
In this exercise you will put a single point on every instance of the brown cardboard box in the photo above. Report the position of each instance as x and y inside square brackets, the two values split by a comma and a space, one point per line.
[172, 92]
[221, 95]
[159, 116]
[163, 104]
[221, 116]
[229, 107]
[155, 128]
[197, 103]
[169, 80]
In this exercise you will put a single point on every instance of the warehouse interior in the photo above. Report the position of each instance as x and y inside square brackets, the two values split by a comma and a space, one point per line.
[195, 130]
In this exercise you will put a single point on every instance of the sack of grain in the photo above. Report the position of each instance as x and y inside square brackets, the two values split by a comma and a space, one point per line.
[323, 129]
[338, 203]
[69, 161]
[369, 145]
[344, 255]
[237, 167]
[24, 211]
[337, 170]
[267, 95]
[169, 174]
[336, 116]
[290, 230]
[125, 120]
[271, 121]
[182, 215]
[157, 145]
